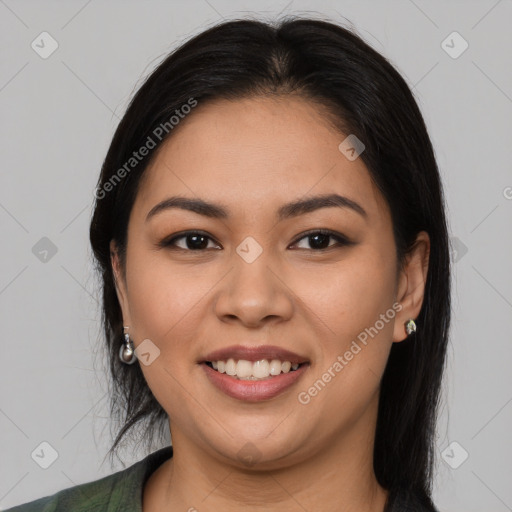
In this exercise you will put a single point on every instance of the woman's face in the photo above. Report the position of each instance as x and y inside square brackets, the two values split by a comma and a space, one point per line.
[256, 279]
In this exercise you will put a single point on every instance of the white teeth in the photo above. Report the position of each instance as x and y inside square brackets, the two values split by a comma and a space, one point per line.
[231, 367]
[275, 367]
[260, 369]
[248, 370]
[243, 369]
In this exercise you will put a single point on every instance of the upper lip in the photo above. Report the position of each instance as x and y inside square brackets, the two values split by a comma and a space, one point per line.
[257, 353]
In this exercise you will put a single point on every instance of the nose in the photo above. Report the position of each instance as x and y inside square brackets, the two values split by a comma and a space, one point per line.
[254, 294]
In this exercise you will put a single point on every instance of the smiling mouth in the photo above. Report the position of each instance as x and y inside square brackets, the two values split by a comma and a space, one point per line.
[262, 369]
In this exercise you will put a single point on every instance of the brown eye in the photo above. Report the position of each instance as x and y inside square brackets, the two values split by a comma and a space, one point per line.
[193, 241]
[319, 240]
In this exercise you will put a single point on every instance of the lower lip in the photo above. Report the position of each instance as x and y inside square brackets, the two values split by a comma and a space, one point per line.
[253, 390]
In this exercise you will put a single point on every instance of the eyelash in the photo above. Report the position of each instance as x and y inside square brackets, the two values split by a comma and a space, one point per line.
[342, 240]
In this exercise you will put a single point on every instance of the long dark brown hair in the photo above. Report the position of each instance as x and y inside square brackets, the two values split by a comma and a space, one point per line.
[367, 97]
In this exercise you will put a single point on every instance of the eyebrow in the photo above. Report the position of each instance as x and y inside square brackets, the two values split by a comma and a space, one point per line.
[286, 211]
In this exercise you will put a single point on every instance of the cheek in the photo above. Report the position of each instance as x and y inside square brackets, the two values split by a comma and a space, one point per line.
[358, 308]
[370, 292]
[349, 296]
[165, 300]
[354, 338]
[166, 308]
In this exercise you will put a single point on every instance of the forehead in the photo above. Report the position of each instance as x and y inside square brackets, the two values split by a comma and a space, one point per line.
[257, 153]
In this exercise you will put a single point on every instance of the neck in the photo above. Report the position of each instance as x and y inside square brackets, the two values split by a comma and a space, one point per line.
[339, 478]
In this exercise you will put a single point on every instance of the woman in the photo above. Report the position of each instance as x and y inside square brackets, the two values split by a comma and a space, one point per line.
[270, 233]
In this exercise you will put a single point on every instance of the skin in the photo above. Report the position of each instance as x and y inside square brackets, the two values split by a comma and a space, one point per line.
[251, 156]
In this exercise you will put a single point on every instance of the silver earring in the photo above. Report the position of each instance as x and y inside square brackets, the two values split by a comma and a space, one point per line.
[126, 351]
[410, 326]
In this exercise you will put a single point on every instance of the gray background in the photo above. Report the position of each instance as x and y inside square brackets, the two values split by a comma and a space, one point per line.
[58, 116]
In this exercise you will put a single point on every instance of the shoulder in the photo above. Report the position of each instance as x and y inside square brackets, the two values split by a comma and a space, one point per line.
[89, 496]
[121, 491]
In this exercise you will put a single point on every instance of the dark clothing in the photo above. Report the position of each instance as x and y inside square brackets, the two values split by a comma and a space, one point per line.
[122, 492]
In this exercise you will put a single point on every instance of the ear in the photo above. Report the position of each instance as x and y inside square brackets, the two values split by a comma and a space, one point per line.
[411, 284]
[119, 283]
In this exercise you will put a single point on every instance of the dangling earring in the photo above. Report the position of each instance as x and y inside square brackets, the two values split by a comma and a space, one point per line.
[126, 351]
[410, 326]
